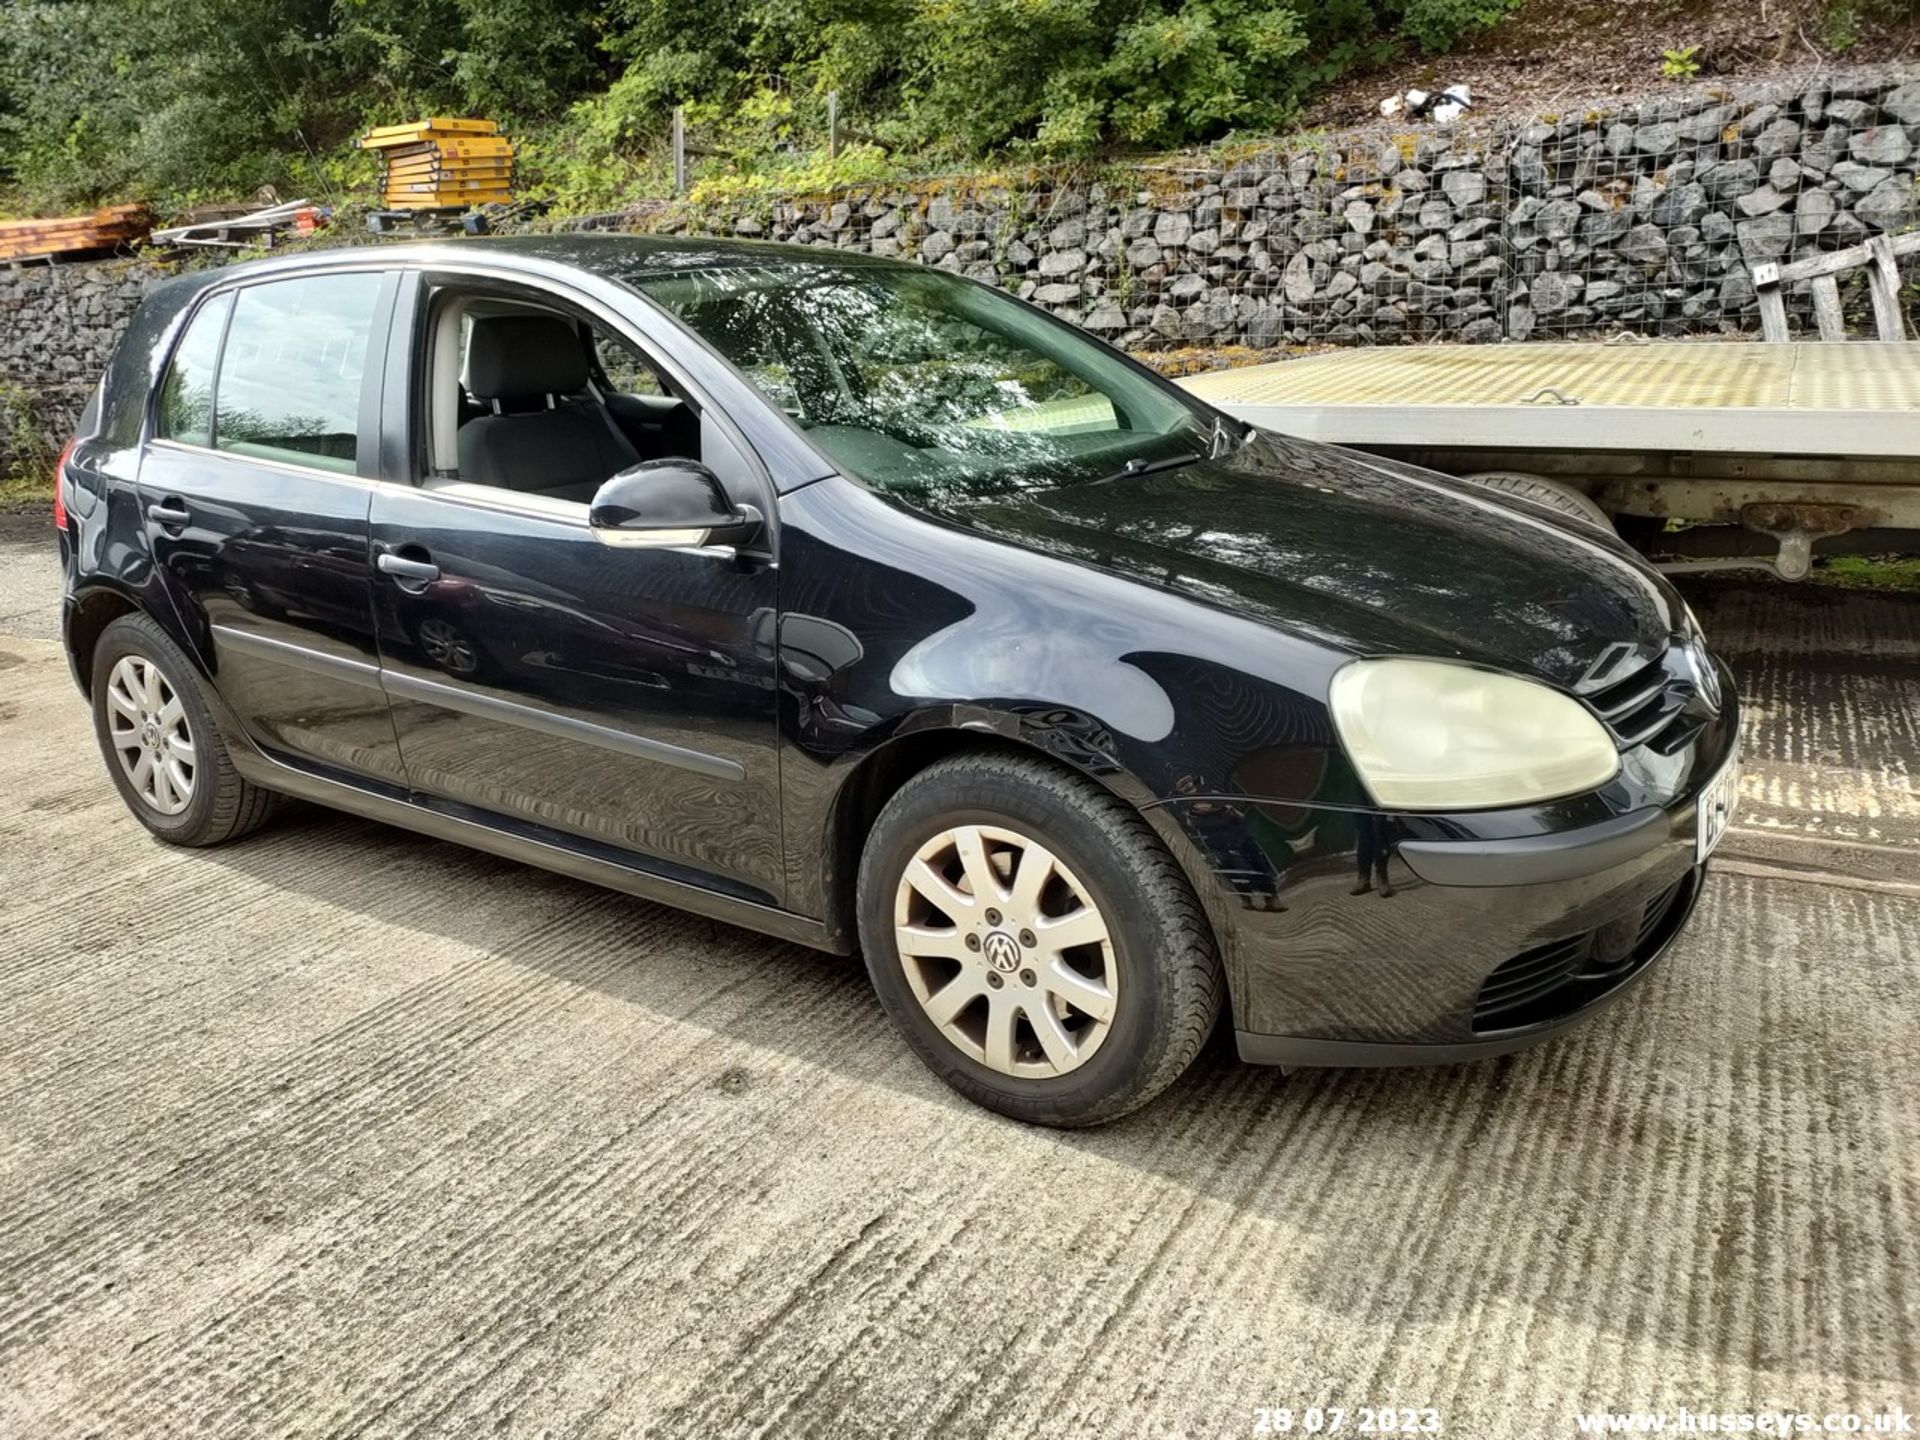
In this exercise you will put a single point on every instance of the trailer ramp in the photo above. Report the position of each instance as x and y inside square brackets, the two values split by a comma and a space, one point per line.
[1730, 397]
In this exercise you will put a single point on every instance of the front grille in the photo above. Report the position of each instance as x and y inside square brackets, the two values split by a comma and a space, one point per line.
[1554, 979]
[1643, 703]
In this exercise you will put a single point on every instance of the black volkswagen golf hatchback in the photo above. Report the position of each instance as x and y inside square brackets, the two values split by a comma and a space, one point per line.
[866, 606]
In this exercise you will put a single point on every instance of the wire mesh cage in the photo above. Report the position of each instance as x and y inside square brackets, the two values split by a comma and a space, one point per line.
[1656, 219]
[1650, 218]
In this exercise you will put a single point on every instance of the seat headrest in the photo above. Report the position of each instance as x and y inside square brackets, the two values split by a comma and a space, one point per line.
[518, 357]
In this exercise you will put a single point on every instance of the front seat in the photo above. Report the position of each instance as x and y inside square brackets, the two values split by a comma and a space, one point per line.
[547, 435]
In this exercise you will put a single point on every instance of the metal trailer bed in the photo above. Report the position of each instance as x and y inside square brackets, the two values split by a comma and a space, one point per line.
[1793, 441]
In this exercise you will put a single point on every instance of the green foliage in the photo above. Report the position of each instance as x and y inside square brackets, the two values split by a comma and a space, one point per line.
[191, 99]
[1681, 63]
[812, 174]
[28, 451]
[1842, 22]
[1870, 572]
[1441, 24]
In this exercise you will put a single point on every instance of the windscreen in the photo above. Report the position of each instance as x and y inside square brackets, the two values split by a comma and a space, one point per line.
[916, 379]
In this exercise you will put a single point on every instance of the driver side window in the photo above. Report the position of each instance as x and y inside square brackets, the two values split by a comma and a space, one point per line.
[540, 402]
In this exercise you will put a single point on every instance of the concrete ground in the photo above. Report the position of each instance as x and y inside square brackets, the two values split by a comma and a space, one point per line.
[341, 1131]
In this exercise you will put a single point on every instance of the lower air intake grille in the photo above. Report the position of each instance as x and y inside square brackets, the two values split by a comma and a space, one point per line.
[1554, 979]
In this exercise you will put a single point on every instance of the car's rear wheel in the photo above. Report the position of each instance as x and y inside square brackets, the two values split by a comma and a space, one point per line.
[1032, 938]
[162, 748]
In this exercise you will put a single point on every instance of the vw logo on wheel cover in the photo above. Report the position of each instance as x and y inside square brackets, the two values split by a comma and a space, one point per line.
[1002, 953]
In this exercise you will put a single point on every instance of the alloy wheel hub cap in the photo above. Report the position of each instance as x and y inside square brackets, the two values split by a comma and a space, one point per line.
[148, 730]
[1006, 951]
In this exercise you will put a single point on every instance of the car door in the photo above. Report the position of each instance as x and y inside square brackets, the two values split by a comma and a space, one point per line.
[255, 482]
[613, 699]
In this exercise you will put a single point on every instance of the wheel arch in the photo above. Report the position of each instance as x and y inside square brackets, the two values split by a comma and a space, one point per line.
[96, 605]
[1552, 492]
[879, 774]
[93, 608]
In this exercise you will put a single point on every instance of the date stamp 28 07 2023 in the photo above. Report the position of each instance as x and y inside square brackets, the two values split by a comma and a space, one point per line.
[1350, 1419]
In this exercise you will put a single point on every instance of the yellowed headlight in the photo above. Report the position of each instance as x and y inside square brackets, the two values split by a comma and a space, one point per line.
[1434, 735]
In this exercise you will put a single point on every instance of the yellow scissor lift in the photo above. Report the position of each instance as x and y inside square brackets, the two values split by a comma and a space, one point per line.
[439, 169]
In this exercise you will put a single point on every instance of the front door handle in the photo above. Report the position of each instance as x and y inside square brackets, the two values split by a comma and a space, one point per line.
[169, 513]
[408, 573]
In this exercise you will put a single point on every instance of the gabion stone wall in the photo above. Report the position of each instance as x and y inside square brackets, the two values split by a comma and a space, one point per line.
[58, 325]
[1645, 218]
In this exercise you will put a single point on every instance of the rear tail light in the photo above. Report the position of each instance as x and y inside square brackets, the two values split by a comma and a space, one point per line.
[60, 485]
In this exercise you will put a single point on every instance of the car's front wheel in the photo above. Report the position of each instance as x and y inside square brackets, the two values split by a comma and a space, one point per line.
[162, 748]
[1035, 942]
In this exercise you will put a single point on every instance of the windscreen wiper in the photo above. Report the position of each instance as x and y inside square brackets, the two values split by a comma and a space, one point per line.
[1138, 466]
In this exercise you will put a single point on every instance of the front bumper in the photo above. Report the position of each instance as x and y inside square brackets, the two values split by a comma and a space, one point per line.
[1559, 984]
[1356, 939]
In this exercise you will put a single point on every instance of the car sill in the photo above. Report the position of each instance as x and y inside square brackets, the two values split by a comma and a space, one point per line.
[781, 924]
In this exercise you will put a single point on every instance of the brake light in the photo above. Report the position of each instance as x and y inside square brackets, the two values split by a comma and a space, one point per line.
[60, 485]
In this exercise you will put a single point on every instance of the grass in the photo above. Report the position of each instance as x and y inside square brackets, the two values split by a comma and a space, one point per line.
[26, 479]
[24, 491]
[1870, 572]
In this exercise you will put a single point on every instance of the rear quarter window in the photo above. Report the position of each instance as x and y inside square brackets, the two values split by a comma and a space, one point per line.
[185, 411]
[135, 370]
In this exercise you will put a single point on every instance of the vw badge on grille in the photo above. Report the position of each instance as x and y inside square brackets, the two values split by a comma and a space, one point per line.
[1706, 677]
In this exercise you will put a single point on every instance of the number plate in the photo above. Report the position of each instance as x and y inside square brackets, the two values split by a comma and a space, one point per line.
[1716, 805]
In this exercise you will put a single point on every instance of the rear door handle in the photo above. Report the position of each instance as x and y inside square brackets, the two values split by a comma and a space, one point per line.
[418, 572]
[169, 513]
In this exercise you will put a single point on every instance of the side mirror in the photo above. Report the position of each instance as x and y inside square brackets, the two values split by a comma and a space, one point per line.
[663, 504]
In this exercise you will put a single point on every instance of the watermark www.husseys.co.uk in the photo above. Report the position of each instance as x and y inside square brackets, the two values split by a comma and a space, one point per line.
[1744, 1422]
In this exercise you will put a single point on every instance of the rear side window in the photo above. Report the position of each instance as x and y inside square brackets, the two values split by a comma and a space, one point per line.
[290, 376]
[186, 395]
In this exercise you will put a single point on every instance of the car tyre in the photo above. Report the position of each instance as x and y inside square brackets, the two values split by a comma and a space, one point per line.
[1157, 975]
[148, 704]
[1553, 494]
